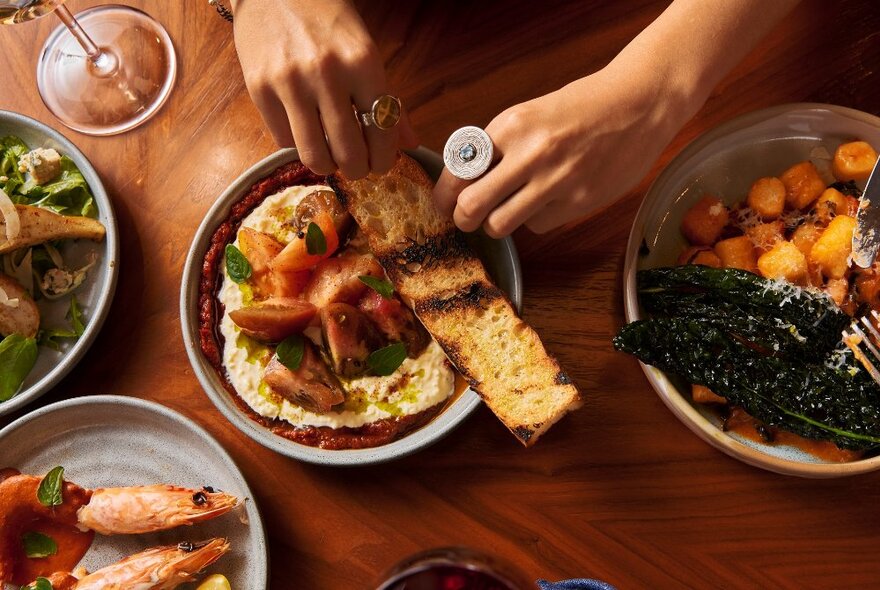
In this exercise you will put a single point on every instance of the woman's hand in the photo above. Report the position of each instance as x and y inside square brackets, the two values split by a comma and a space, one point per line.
[306, 62]
[571, 153]
[563, 156]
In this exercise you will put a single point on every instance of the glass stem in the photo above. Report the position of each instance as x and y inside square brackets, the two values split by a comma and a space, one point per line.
[104, 63]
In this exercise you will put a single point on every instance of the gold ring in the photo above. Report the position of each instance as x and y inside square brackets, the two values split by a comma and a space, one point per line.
[384, 114]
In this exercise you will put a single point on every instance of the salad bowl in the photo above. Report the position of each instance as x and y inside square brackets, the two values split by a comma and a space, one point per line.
[95, 295]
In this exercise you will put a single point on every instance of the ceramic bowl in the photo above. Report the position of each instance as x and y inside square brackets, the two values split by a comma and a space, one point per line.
[94, 295]
[113, 441]
[501, 260]
[724, 162]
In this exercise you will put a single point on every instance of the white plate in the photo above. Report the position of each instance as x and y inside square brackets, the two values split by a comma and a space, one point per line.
[110, 441]
[94, 295]
[725, 162]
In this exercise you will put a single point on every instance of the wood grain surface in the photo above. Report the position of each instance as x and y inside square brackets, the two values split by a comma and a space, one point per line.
[620, 490]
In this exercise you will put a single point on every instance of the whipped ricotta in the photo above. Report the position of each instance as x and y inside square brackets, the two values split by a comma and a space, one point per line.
[416, 386]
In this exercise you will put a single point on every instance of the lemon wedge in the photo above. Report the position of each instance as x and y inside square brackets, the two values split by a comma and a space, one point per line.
[215, 582]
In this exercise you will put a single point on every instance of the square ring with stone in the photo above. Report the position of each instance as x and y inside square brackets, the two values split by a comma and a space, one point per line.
[468, 153]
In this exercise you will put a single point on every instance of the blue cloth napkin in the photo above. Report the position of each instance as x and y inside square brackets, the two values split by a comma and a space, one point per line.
[578, 584]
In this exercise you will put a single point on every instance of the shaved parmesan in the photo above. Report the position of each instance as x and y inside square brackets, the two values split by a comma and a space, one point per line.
[10, 216]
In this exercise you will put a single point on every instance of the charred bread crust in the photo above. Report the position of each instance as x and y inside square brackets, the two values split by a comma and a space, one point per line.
[432, 267]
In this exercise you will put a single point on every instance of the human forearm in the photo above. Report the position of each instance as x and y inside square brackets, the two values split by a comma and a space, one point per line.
[689, 49]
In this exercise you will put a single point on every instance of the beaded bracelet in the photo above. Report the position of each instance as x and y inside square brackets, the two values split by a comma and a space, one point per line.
[221, 9]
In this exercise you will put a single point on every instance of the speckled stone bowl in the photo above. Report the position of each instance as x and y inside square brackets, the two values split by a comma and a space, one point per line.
[94, 295]
[110, 441]
[725, 162]
[500, 258]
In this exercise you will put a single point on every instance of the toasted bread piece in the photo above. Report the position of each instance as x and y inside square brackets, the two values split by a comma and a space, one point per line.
[438, 275]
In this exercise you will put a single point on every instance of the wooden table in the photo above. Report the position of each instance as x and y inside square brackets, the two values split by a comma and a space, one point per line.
[620, 490]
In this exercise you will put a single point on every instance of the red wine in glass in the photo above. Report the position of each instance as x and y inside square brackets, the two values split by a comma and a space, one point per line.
[453, 569]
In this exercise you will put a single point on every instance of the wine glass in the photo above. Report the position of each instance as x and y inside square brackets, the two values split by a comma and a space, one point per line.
[453, 568]
[104, 72]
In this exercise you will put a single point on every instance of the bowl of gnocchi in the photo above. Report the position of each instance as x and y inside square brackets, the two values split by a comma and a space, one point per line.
[738, 281]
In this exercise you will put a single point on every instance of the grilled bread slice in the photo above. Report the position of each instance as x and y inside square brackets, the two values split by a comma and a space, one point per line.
[436, 273]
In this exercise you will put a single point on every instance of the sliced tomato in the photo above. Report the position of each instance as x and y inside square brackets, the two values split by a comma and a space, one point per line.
[312, 386]
[295, 255]
[274, 319]
[260, 248]
[335, 280]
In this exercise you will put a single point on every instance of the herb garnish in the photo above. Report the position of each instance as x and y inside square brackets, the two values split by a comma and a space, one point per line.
[237, 266]
[383, 288]
[17, 357]
[38, 545]
[316, 243]
[77, 327]
[290, 351]
[386, 360]
[40, 584]
[49, 492]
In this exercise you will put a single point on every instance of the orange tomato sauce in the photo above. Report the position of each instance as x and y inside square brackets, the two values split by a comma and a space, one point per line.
[21, 512]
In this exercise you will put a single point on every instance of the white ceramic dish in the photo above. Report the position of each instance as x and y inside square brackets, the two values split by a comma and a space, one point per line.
[109, 441]
[94, 295]
[724, 162]
[500, 258]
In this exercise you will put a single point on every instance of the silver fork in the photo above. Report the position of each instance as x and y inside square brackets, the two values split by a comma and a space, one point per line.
[857, 336]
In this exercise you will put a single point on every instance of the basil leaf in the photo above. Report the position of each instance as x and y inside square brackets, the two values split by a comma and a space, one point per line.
[40, 584]
[383, 288]
[17, 357]
[290, 351]
[49, 492]
[316, 243]
[386, 360]
[237, 266]
[38, 545]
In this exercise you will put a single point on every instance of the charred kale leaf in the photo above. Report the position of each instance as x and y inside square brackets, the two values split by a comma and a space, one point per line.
[771, 350]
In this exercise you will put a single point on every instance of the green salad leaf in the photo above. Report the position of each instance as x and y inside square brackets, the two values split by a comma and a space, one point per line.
[387, 360]
[11, 150]
[49, 492]
[50, 337]
[38, 545]
[68, 194]
[17, 357]
[237, 266]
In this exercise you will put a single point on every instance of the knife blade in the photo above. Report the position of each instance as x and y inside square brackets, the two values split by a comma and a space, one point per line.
[866, 237]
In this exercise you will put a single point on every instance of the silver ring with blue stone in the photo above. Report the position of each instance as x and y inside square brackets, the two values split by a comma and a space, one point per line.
[468, 153]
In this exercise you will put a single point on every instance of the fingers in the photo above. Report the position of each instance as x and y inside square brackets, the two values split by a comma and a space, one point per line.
[346, 139]
[515, 211]
[550, 217]
[446, 192]
[406, 134]
[308, 132]
[274, 116]
[381, 143]
[476, 201]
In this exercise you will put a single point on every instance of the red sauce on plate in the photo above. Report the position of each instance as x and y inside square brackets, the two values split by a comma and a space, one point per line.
[21, 512]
